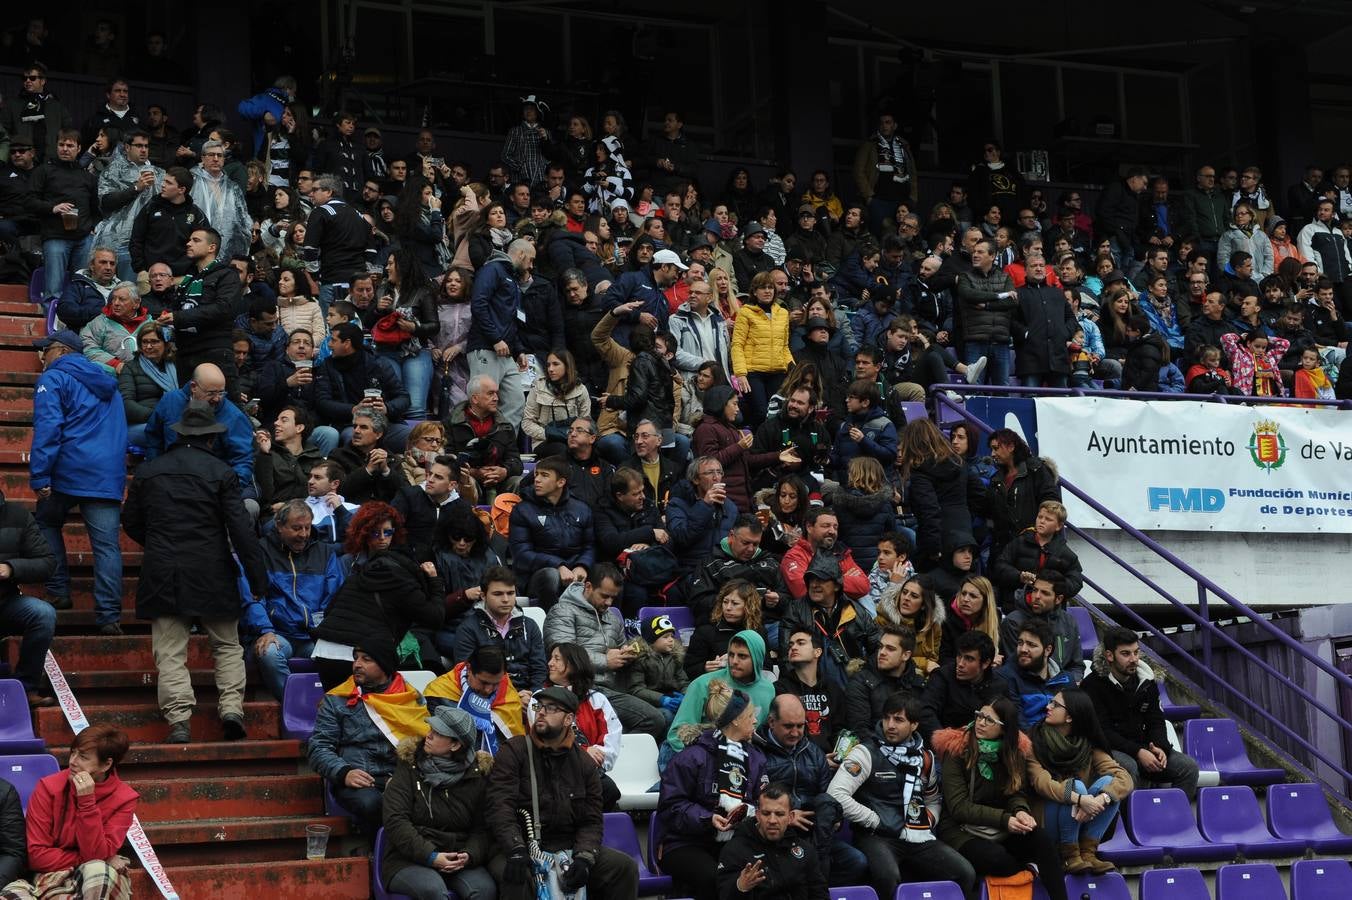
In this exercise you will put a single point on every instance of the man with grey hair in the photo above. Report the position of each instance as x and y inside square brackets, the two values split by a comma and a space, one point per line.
[483, 440]
[303, 576]
[110, 337]
[371, 474]
[699, 512]
[494, 347]
[87, 292]
[222, 201]
[337, 238]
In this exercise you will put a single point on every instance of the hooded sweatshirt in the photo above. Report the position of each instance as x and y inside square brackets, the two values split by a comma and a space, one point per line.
[79, 431]
[761, 690]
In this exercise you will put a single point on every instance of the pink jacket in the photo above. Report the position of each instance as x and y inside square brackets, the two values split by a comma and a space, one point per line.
[1243, 366]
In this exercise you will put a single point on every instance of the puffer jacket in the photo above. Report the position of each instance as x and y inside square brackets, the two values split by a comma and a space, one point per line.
[1013, 508]
[803, 769]
[1255, 243]
[567, 250]
[695, 526]
[421, 820]
[544, 534]
[82, 300]
[23, 549]
[937, 493]
[495, 300]
[109, 341]
[618, 529]
[760, 340]
[346, 738]
[544, 406]
[986, 318]
[690, 790]
[300, 586]
[139, 393]
[1024, 555]
[879, 442]
[655, 675]
[523, 648]
[864, 519]
[762, 570]
[573, 620]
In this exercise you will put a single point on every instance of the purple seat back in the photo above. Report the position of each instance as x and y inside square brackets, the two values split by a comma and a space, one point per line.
[24, 772]
[852, 893]
[300, 705]
[1174, 884]
[681, 616]
[1320, 879]
[1216, 745]
[37, 284]
[1121, 849]
[913, 410]
[654, 841]
[1099, 887]
[929, 890]
[16, 720]
[1258, 881]
[378, 891]
[1084, 620]
[1163, 818]
[1300, 812]
[619, 834]
[300, 664]
[1231, 814]
[1176, 711]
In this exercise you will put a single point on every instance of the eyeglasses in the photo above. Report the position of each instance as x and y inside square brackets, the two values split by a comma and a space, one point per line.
[1055, 704]
[547, 709]
[385, 532]
[988, 719]
[141, 146]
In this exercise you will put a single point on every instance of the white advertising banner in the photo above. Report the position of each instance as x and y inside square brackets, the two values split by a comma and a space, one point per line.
[1185, 466]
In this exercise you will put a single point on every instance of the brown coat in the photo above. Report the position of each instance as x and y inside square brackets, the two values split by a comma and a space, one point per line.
[617, 360]
[1042, 788]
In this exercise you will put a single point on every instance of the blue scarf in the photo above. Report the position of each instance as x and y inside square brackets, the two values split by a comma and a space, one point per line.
[481, 708]
[165, 378]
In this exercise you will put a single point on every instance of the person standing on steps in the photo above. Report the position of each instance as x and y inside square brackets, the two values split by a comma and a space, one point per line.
[185, 509]
[79, 434]
[25, 558]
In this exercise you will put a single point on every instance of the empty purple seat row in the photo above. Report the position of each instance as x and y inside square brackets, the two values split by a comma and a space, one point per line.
[1216, 745]
[1311, 879]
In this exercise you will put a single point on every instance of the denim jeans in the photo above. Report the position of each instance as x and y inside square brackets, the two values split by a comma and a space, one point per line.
[124, 270]
[614, 448]
[997, 360]
[274, 665]
[59, 257]
[1062, 824]
[35, 622]
[416, 374]
[101, 518]
[324, 439]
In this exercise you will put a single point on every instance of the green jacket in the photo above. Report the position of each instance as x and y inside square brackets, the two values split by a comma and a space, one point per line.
[1205, 214]
[761, 691]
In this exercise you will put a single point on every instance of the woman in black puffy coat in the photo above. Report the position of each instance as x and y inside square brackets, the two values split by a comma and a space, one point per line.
[866, 508]
[935, 479]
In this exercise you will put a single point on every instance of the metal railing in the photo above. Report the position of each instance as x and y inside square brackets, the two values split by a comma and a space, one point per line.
[1201, 617]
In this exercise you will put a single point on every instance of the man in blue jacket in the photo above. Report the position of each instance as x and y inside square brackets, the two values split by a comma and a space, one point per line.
[552, 538]
[494, 345]
[303, 576]
[79, 439]
[646, 284]
[236, 448]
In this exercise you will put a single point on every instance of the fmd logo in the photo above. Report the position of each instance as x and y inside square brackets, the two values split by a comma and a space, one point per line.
[1194, 499]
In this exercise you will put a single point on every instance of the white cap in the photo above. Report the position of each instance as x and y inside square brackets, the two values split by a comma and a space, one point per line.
[662, 257]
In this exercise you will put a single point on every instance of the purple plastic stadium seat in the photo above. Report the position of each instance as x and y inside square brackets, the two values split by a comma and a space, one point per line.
[1320, 879]
[300, 705]
[1099, 887]
[24, 772]
[1174, 884]
[681, 616]
[913, 411]
[1231, 815]
[1216, 745]
[37, 284]
[1300, 812]
[929, 890]
[619, 834]
[1163, 818]
[1176, 712]
[378, 891]
[16, 720]
[853, 893]
[300, 664]
[1084, 620]
[1260, 881]
[1123, 851]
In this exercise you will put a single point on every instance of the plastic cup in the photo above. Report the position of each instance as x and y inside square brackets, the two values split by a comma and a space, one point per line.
[316, 841]
[70, 220]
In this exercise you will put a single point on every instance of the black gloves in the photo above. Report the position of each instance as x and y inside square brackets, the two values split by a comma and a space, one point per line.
[578, 873]
[518, 867]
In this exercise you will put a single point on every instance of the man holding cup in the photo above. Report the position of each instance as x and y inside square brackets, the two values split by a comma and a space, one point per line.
[65, 197]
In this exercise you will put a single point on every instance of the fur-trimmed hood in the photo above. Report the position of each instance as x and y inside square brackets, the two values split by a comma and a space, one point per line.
[948, 742]
[410, 749]
[1099, 666]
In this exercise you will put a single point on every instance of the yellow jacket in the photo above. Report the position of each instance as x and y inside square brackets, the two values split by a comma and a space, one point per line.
[760, 343]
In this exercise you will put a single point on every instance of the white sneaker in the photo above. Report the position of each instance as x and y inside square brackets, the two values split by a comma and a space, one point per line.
[975, 370]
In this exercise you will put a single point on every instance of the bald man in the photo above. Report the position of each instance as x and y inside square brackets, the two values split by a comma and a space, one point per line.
[235, 446]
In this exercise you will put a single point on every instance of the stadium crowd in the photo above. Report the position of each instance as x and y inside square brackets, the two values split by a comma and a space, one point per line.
[407, 394]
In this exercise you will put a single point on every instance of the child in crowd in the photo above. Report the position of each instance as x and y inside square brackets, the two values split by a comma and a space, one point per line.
[890, 572]
[659, 674]
[1081, 363]
[1206, 375]
[1311, 379]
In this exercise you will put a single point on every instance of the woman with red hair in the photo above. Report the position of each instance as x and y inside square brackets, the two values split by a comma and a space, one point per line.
[77, 821]
[386, 593]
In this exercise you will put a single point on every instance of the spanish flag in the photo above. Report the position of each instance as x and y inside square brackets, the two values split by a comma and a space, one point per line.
[398, 711]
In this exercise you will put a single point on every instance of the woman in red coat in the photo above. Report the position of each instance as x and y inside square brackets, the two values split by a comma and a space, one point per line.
[77, 821]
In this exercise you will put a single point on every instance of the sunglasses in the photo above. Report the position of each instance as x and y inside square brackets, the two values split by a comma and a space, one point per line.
[385, 532]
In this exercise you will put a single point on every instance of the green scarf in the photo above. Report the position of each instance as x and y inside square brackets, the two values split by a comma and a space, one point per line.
[1061, 755]
[987, 753]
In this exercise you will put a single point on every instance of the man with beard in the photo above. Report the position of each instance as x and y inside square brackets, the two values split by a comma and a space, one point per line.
[765, 858]
[739, 556]
[820, 529]
[852, 634]
[1032, 673]
[545, 770]
[792, 428]
[891, 670]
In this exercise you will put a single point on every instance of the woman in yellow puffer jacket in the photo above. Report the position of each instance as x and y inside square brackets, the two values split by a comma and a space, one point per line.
[760, 347]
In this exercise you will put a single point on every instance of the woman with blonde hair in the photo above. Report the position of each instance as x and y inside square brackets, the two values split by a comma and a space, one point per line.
[866, 509]
[737, 608]
[725, 298]
[973, 608]
[916, 607]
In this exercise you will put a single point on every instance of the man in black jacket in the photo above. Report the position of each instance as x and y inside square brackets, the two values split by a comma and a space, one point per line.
[559, 779]
[738, 555]
[341, 156]
[482, 440]
[65, 198]
[956, 689]
[1206, 329]
[160, 232]
[204, 311]
[25, 558]
[353, 376]
[767, 858]
[424, 505]
[1128, 708]
[1119, 212]
[185, 508]
[336, 237]
[891, 670]
[988, 300]
[1046, 323]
